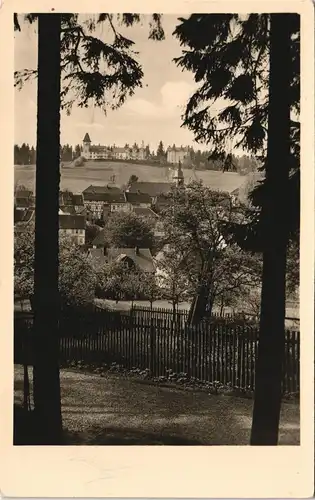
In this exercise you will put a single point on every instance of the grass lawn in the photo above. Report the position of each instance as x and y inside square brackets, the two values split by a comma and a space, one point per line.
[116, 410]
[99, 173]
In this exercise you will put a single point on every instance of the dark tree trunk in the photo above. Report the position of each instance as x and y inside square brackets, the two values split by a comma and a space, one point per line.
[46, 298]
[268, 392]
[198, 307]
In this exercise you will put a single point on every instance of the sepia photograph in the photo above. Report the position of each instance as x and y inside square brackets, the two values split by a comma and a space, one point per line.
[156, 229]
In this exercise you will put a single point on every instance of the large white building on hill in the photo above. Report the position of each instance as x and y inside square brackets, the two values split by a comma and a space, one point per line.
[99, 152]
[177, 155]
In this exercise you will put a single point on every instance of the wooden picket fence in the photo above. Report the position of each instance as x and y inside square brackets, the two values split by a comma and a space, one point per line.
[209, 352]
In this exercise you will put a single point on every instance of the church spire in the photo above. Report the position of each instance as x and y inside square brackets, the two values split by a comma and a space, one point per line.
[178, 176]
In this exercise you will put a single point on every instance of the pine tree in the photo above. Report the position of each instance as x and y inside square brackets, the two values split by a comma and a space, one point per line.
[254, 61]
[77, 151]
[160, 150]
[68, 54]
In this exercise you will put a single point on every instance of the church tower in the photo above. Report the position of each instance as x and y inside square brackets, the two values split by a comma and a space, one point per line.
[178, 176]
[86, 146]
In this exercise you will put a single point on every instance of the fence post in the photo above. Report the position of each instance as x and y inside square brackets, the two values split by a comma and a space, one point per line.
[152, 347]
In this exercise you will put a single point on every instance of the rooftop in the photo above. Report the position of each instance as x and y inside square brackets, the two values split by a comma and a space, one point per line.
[99, 240]
[101, 189]
[109, 197]
[100, 149]
[23, 193]
[142, 257]
[150, 188]
[86, 138]
[69, 198]
[145, 212]
[137, 197]
[70, 221]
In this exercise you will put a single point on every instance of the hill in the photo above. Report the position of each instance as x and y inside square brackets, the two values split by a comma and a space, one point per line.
[100, 173]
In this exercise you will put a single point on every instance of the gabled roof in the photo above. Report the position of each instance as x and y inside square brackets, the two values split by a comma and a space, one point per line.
[67, 221]
[145, 212]
[86, 138]
[142, 258]
[150, 188]
[137, 197]
[68, 198]
[68, 209]
[23, 217]
[99, 149]
[108, 197]
[101, 189]
[120, 150]
[23, 193]
[23, 202]
[77, 199]
[99, 240]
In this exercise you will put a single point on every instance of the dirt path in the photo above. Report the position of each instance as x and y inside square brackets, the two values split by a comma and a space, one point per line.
[116, 410]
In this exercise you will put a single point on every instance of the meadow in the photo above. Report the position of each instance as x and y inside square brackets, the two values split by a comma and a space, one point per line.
[77, 179]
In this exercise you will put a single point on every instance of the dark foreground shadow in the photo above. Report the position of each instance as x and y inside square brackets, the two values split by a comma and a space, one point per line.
[25, 434]
[24, 427]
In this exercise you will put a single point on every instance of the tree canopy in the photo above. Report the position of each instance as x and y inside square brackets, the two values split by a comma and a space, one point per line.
[228, 55]
[195, 226]
[97, 72]
[127, 229]
[76, 276]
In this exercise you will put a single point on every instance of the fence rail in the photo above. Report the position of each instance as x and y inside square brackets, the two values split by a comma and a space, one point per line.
[210, 352]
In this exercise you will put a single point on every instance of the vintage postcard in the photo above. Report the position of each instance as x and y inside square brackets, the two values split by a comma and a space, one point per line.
[157, 271]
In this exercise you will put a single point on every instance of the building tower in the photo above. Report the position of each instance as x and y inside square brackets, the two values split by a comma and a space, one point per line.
[86, 146]
[178, 176]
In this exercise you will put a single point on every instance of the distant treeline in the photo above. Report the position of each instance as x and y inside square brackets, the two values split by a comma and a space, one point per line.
[26, 155]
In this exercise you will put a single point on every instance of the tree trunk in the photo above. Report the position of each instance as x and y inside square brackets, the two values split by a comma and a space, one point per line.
[46, 297]
[198, 307]
[268, 392]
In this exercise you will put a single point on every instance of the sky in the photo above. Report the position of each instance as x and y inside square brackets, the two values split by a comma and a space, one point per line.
[151, 115]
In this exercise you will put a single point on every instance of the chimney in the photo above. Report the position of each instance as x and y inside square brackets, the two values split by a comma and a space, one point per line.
[137, 250]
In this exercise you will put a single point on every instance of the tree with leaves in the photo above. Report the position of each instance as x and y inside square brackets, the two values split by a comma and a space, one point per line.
[111, 281]
[173, 282]
[253, 62]
[149, 287]
[127, 229]
[77, 152]
[24, 262]
[74, 67]
[132, 179]
[76, 276]
[91, 231]
[77, 280]
[195, 224]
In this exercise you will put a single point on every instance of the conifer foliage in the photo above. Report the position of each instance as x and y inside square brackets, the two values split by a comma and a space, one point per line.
[94, 71]
[229, 57]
